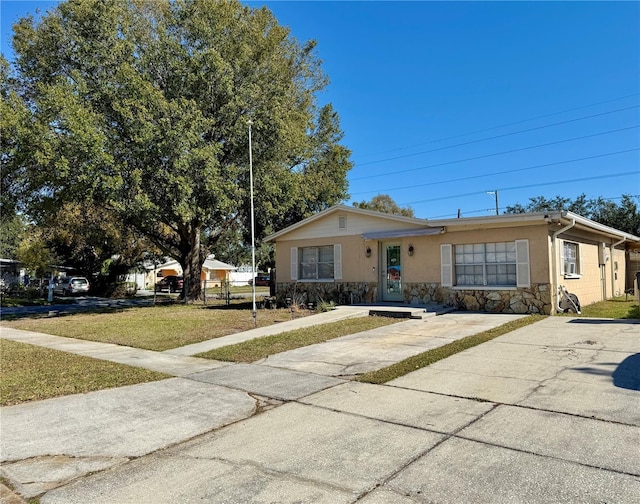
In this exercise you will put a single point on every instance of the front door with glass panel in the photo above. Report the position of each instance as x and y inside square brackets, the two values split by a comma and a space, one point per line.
[391, 272]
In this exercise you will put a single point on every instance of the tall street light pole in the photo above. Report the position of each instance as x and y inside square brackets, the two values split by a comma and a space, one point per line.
[253, 238]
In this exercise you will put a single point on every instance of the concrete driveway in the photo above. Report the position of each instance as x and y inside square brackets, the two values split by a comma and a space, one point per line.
[547, 413]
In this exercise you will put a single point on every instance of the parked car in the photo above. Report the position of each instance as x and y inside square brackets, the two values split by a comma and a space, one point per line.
[171, 283]
[71, 285]
[261, 280]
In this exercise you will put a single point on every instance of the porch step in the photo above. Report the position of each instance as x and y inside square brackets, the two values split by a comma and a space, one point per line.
[410, 312]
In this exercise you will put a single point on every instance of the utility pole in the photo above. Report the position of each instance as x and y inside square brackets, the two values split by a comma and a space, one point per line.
[496, 195]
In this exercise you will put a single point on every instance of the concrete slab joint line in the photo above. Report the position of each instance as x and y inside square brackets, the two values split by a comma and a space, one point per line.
[475, 427]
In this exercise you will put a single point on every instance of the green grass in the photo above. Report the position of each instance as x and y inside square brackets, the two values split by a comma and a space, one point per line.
[156, 328]
[32, 373]
[260, 348]
[12, 301]
[617, 308]
[429, 357]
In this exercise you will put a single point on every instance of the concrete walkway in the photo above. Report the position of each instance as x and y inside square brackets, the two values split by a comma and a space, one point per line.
[548, 413]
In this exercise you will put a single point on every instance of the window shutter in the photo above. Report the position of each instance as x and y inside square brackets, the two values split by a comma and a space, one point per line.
[523, 276]
[294, 263]
[337, 262]
[446, 265]
[562, 257]
[579, 259]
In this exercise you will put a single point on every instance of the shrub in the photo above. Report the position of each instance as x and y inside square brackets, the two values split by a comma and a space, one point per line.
[325, 306]
[121, 289]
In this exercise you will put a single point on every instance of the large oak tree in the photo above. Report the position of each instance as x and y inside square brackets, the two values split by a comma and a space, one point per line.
[142, 106]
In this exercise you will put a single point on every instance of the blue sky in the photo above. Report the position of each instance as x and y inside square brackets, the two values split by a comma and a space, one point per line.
[443, 102]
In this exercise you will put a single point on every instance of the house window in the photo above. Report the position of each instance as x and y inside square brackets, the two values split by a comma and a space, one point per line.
[316, 262]
[570, 259]
[486, 264]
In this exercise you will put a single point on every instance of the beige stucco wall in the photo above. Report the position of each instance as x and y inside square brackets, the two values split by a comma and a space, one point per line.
[422, 271]
[597, 281]
[619, 270]
[424, 265]
[356, 266]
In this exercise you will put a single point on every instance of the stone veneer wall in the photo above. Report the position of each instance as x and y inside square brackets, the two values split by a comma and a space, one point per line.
[535, 299]
[338, 292]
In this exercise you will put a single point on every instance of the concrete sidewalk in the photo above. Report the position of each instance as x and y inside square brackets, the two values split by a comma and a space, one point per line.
[340, 313]
[548, 413]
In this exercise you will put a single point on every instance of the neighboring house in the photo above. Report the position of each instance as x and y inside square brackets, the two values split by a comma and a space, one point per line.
[213, 273]
[512, 263]
[11, 272]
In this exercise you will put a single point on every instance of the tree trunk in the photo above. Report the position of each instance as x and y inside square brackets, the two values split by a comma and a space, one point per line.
[192, 264]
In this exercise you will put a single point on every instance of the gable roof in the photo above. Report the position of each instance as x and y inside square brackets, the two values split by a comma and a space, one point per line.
[400, 219]
[209, 263]
[214, 264]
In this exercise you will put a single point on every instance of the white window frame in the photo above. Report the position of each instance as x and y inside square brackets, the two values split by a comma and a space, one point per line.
[523, 274]
[572, 267]
[296, 263]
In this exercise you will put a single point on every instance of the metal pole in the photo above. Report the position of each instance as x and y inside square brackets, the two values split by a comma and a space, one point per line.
[495, 193]
[253, 239]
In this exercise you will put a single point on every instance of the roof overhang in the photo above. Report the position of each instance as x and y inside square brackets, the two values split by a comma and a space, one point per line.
[344, 209]
[588, 224]
[402, 233]
[527, 219]
[214, 264]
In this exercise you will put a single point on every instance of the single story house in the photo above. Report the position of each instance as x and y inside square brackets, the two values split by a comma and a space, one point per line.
[213, 274]
[512, 263]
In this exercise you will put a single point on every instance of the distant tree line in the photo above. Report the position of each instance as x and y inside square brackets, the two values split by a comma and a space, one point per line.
[623, 215]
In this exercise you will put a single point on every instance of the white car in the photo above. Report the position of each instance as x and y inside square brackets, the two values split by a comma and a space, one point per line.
[71, 285]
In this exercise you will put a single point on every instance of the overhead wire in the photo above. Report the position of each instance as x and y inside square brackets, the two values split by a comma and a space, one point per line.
[528, 130]
[484, 175]
[515, 170]
[528, 186]
[453, 137]
[492, 210]
[484, 156]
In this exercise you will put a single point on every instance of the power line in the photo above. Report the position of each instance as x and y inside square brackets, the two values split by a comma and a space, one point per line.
[572, 181]
[509, 124]
[471, 177]
[497, 136]
[467, 212]
[498, 153]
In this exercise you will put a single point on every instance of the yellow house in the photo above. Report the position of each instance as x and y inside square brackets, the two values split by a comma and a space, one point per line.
[512, 263]
[214, 272]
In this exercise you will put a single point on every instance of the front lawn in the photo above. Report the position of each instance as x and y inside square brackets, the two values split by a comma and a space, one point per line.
[32, 373]
[617, 308]
[156, 328]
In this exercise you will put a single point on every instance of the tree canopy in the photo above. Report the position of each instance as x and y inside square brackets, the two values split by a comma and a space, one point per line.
[624, 216]
[141, 107]
[385, 203]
